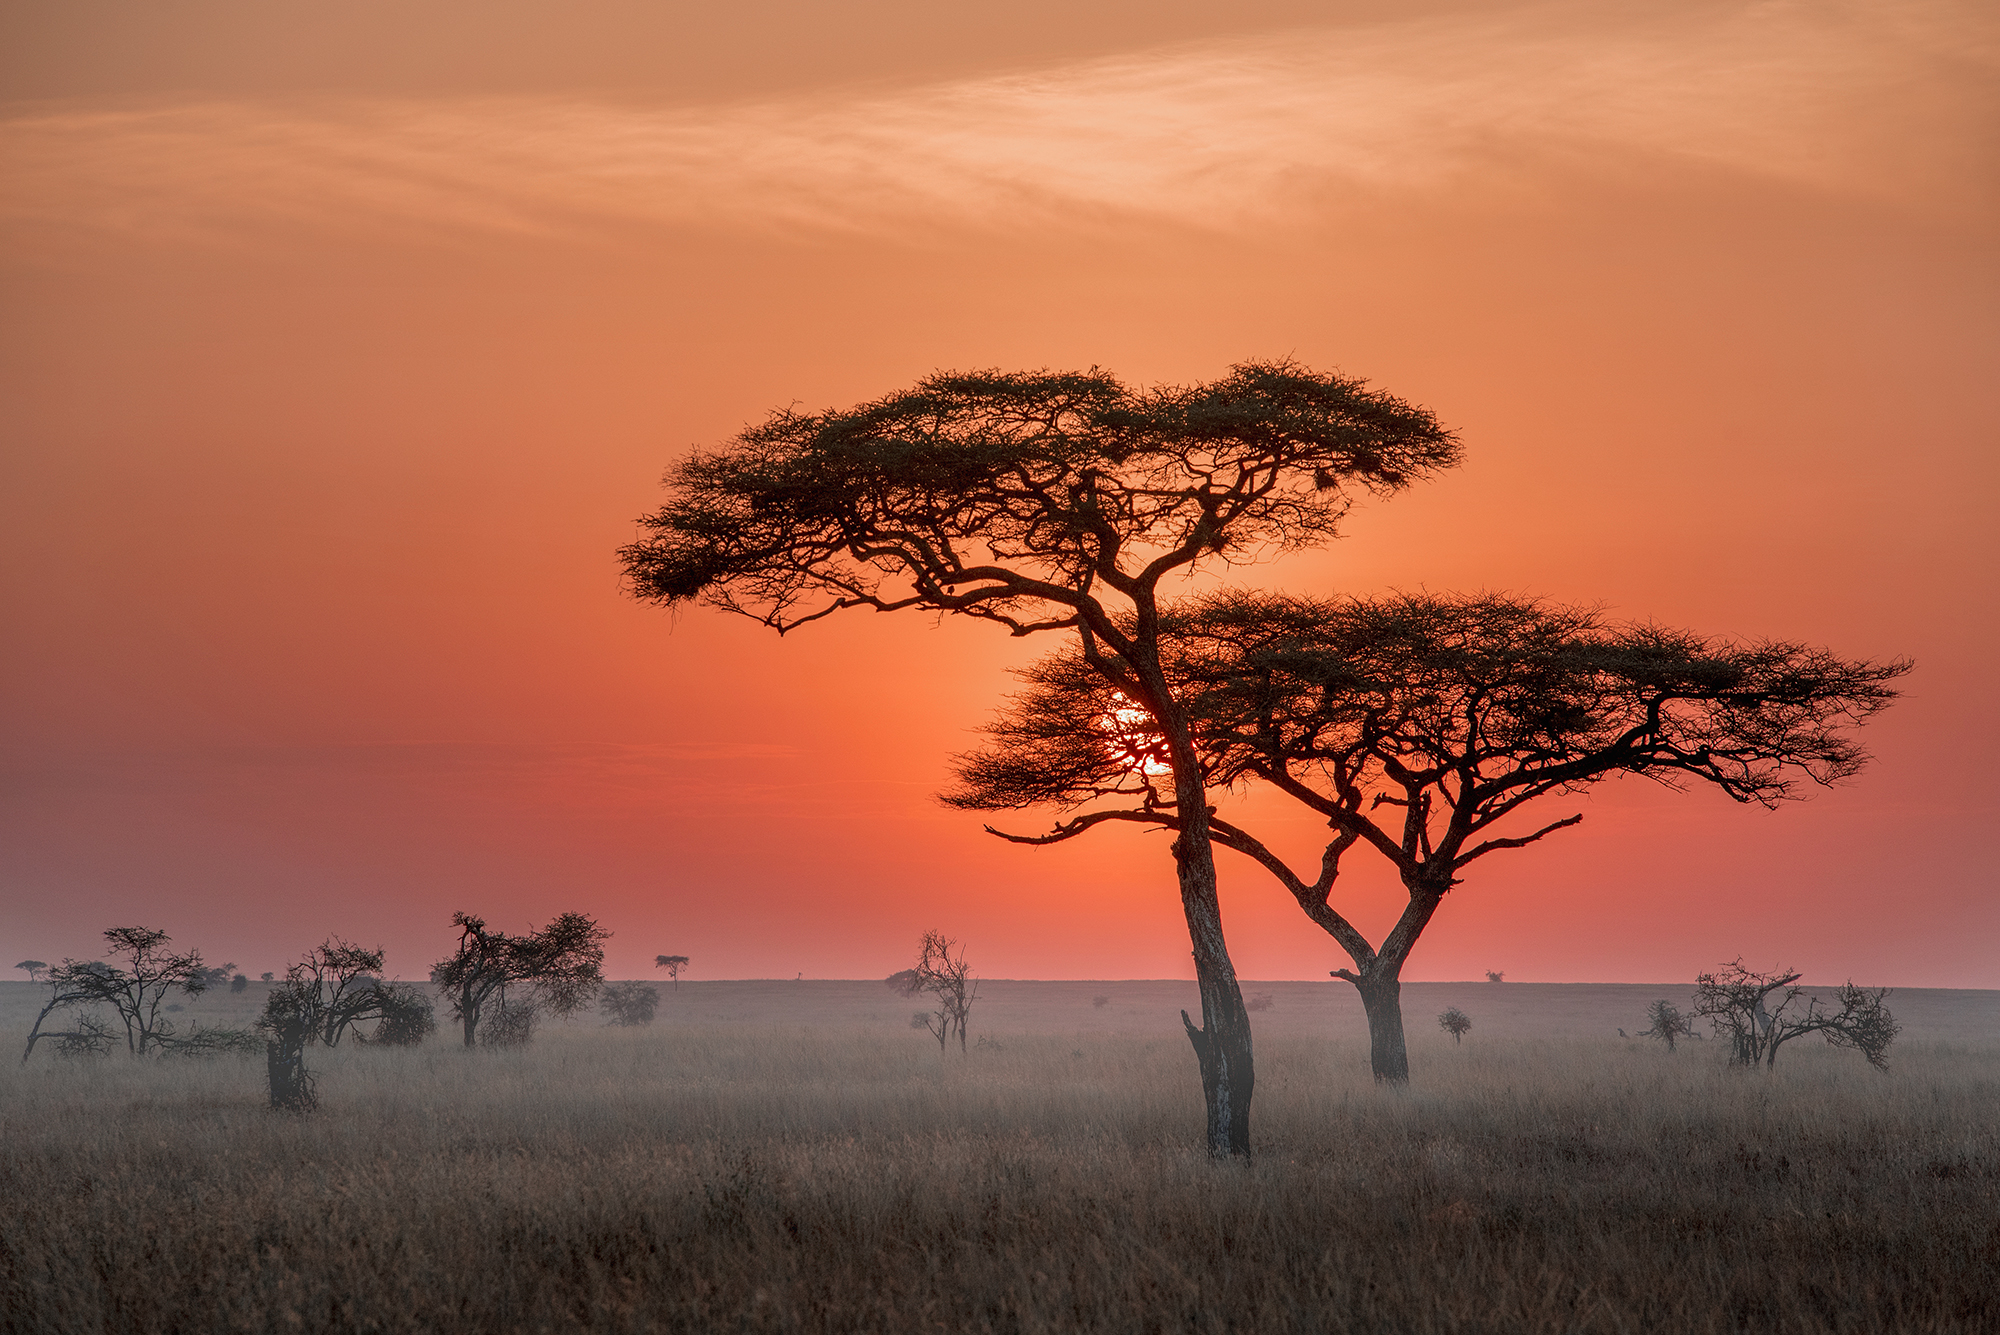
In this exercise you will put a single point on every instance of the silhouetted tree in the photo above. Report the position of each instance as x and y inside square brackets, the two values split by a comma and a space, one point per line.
[1668, 1023]
[558, 969]
[629, 1003]
[673, 964]
[1454, 713]
[904, 981]
[34, 968]
[1754, 1010]
[1454, 1022]
[1046, 502]
[949, 981]
[345, 979]
[268, 976]
[1495, 976]
[240, 983]
[137, 994]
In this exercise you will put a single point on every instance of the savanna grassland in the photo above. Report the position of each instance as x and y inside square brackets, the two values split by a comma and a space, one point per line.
[794, 1157]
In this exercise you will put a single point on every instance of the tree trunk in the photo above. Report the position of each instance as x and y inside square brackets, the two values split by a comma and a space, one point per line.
[1388, 1053]
[1222, 1043]
[471, 1018]
[285, 1064]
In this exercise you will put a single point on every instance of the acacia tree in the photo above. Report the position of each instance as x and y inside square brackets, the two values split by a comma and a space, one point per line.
[136, 993]
[673, 964]
[1046, 502]
[559, 968]
[1454, 713]
[1755, 1011]
[34, 969]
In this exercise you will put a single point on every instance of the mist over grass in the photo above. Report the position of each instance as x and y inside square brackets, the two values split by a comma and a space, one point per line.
[821, 1169]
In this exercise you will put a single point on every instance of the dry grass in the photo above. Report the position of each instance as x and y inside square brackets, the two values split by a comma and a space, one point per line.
[748, 1174]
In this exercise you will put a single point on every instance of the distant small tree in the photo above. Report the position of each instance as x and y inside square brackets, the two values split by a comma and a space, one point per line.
[949, 981]
[1754, 1011]
[268, 976]
[1454, 1022]
[629, 1003]
[1668, 1023]
[1495, 976]
[240, 983]
[673, 964]
[34, 968]
[556, 969]
[136, 992]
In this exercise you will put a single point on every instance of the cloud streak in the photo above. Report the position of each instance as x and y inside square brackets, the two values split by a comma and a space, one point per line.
[1886, 100]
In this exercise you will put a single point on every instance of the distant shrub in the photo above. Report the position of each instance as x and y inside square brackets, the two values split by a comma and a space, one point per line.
[1100, 1002]
[1454, 1022]
[1496, 976]
[1263, 1001]
[1668, 1023]
[921, 1020]
[509, 1025]
[989, 1043]
[628, 1004]
[409, 1016]
[240, 983]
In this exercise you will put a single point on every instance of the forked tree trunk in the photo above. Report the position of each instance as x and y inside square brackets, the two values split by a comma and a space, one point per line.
[1388, 1052]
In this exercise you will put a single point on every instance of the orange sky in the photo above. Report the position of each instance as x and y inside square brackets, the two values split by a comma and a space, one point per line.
[342, 345]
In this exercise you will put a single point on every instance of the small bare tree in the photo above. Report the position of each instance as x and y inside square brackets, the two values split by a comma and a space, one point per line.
[1754, 1011]
[1668, 1023]
[1454, 1022]
[673, 964]
[949, 981]
[629, 1004]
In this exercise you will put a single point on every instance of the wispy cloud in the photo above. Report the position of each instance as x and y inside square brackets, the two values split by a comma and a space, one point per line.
[1890, 99]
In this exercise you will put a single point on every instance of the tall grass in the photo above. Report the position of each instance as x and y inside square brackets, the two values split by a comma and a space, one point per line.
[746, 1178]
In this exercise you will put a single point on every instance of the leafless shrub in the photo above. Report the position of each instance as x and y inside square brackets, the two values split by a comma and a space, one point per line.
[408, 1016]
[1668, 1023]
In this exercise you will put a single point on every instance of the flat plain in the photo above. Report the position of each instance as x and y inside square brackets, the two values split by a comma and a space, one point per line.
[793, 1156]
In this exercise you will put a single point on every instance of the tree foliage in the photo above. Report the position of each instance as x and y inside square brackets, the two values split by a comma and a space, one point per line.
[1454, 1022]
[1756, 1012]
[1041, 502]
[673, 964]
[1422, 727]
[557, 969]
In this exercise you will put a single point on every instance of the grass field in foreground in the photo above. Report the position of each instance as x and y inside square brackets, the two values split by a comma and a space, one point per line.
[758, 1168]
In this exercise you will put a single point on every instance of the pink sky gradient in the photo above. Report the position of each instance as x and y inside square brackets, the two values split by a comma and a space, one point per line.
[340, 351]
